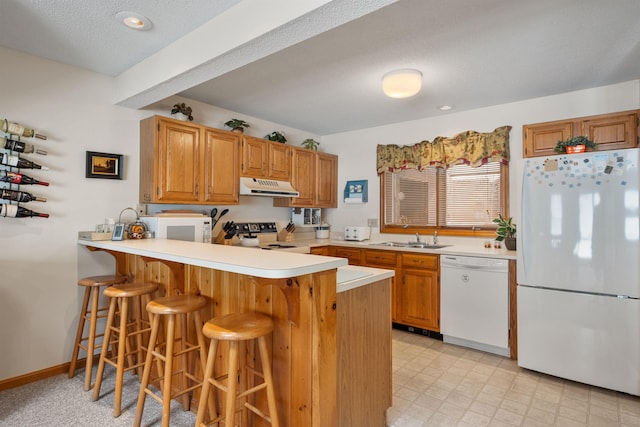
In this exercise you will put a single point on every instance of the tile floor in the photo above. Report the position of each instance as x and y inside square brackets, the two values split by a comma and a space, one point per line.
[438, 384]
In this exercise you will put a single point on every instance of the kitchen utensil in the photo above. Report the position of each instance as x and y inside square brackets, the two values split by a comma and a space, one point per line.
[223, 213]
[214, 212]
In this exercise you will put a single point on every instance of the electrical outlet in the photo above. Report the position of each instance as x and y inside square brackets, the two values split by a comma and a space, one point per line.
[372, 222]
[141, 208]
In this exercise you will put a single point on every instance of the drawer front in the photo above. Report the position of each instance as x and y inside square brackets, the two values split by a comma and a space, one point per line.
[353, 255]
[420, 261]
[380, 258]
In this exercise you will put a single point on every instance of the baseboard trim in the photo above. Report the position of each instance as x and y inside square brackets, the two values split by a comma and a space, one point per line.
[31, 377]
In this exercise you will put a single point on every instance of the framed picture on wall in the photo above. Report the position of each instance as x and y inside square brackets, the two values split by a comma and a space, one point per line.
[104, 165]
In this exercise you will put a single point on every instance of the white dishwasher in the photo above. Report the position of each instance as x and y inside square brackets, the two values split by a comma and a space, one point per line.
[474, 302]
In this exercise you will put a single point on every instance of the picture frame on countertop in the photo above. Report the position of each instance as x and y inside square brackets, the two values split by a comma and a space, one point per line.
[104, 165]
[118, 231]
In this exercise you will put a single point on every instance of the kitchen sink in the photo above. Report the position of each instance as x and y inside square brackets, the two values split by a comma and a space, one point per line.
[409, 245]
[392, 244]
[425, 246]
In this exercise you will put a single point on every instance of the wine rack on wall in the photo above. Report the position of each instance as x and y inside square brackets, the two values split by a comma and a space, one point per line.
[13, 162]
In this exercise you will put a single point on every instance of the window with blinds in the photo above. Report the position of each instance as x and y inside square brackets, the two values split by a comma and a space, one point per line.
[460, 196]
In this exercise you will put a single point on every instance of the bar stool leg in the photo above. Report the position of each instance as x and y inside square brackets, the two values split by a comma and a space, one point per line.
[232, 382]
[81, 321]
[168, 369]
[105, 345]
[155, 322]
[268, 378]
[206, 386]
[122, 344]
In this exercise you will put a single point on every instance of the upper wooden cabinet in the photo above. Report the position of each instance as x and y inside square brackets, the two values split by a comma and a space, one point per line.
[315, 176]
[262, 158]
[185, 163]
[221, 167]
[326, 180]
[610, 131]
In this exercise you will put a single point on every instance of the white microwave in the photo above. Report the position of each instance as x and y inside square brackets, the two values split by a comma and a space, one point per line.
[190, 228]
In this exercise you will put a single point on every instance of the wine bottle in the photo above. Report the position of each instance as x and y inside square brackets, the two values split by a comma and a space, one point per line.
[20, 196]
[20, 147]
[16, 129]
[21, 163]
[15, 211]
[18, 178]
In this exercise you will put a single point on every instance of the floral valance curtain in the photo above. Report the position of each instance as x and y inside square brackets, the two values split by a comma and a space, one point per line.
[470, 147]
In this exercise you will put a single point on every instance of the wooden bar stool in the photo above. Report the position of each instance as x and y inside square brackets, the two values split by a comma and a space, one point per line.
[131, 324]
[234, 328]
[92, 287]
[169, 308]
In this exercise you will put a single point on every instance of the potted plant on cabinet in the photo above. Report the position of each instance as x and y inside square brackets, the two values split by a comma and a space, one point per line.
[182, 112]
[576, 144]
[310, 144]
[276, 136]
[506, 231]
[237, 125]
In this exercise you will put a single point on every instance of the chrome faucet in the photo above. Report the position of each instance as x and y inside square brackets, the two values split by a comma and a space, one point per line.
[435, 237]
[418, 237]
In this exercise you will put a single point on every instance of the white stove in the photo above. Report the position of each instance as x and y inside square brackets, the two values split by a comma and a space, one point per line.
[267, 234]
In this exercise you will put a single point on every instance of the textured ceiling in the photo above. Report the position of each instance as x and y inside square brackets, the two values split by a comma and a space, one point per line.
[328, 79]
[85, 33]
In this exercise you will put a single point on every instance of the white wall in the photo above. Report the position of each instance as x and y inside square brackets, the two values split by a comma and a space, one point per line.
[40, 260]
[357, 149]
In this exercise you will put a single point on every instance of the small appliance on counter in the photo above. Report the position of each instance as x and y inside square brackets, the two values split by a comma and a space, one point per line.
[322, 231]
[176, 226]
[357, 233]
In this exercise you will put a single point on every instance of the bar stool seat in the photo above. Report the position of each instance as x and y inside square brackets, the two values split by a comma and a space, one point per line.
[235, 328]
[168, 308]
[92, 287]
[131, 324]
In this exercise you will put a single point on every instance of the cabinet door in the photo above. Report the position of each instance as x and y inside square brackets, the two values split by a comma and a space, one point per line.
[327, 181]
[612, 131]
[279, 161]
[319, 250]
[178, 162]
[254, 157]
[352, 254]
[420, 298]
[221, 167]
[540, 139]
[303, 178]
[387, 260]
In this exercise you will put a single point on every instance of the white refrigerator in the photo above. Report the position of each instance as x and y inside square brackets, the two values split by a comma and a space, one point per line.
[578, 262]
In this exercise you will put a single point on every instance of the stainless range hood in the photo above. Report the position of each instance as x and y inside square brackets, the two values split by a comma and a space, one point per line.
[266, 187]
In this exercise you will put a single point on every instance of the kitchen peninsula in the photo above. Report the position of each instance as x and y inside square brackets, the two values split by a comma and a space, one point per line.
[331, 346]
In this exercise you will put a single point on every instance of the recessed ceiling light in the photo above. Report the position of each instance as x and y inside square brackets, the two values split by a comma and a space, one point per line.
[445, 107]
[134, 20]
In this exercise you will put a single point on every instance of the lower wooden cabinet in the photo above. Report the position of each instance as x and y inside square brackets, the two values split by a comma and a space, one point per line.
[319, 250]
[415, 292]
[354, 255]
[418, 291]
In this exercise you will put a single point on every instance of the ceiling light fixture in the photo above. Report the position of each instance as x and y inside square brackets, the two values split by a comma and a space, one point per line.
[402, 83]
[134, 20]
[445, 107]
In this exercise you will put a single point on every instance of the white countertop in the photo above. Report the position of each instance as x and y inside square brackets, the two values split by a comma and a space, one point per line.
[235, 259]
[456, 249]
[248, 261]
[353, 276]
